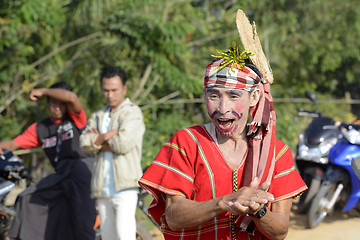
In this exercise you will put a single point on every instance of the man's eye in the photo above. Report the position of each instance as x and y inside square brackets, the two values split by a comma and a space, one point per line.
[234, 96]
[213, 96]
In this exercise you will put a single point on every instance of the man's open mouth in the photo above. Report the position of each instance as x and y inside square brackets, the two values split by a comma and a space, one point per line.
[225, 122]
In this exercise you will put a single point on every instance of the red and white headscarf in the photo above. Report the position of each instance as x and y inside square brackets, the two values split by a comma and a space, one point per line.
[262, 121]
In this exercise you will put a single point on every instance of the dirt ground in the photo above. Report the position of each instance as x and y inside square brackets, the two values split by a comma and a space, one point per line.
[339, 226]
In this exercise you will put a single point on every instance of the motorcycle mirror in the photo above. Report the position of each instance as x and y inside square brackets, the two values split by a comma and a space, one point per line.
[311, 96]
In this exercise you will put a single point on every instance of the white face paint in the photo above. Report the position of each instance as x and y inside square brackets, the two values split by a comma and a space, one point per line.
[228, 109]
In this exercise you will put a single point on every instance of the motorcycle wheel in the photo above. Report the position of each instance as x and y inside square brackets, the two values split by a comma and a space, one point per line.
[318, 209]
[305, 200]
[141, 232]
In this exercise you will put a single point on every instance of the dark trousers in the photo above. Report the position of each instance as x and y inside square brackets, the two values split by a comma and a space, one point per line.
[59, 206]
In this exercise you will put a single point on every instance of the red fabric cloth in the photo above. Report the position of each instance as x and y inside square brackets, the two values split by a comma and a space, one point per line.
[230, 78]
[191, 164]
[29, 139]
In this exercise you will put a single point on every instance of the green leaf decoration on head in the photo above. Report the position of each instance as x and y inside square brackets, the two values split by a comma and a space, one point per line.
[233, 56]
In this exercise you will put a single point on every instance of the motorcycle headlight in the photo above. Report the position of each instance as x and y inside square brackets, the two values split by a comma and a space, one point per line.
[317, 154]
[327, 145]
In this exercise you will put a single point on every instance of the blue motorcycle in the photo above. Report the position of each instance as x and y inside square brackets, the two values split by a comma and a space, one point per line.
[341, 185]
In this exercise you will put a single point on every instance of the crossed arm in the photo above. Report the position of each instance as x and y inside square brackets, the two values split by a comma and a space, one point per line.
[119, 140]
[102, 139]
[184, 213]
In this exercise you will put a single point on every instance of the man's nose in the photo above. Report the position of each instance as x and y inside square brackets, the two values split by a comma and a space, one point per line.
[223, 106]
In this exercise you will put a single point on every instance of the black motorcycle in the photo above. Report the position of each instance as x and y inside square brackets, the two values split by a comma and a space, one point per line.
[12, 171]
[313, 149]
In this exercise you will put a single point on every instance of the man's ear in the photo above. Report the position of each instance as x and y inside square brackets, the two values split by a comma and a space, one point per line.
[254, 97]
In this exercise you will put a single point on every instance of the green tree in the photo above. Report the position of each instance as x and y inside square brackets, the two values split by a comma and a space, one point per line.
[164, 47]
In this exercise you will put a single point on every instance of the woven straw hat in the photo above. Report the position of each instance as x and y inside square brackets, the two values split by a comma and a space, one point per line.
[250, 41]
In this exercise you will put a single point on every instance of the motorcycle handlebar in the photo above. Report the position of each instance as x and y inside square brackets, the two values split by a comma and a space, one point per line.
[306, 113]
[351, 132]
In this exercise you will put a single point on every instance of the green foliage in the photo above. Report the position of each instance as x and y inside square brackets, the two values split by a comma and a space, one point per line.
[288, 125]
[164, 46]
[160, 128]
[28, 30]
[312, 42]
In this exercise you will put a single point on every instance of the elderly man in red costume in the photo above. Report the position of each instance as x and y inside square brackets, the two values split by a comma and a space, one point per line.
[231, 178]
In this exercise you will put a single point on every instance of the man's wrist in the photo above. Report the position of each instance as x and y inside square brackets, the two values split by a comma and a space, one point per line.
[260, 212]
[221, 204]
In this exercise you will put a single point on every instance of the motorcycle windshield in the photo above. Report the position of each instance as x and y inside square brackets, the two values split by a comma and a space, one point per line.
[319, 130]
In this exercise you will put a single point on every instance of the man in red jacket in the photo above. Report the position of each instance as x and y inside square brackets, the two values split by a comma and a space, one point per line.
[231, 178]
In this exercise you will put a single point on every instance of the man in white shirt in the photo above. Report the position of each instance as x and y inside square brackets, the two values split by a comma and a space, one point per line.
[115, 135]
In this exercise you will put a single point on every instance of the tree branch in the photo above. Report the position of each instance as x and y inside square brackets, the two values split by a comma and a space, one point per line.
[152, 84]
[17, 88]
[64, 47]
[161, 100]
[13, 96]
[143, 81]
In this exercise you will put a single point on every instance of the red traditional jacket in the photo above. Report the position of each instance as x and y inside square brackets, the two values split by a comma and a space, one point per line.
[191, 164]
